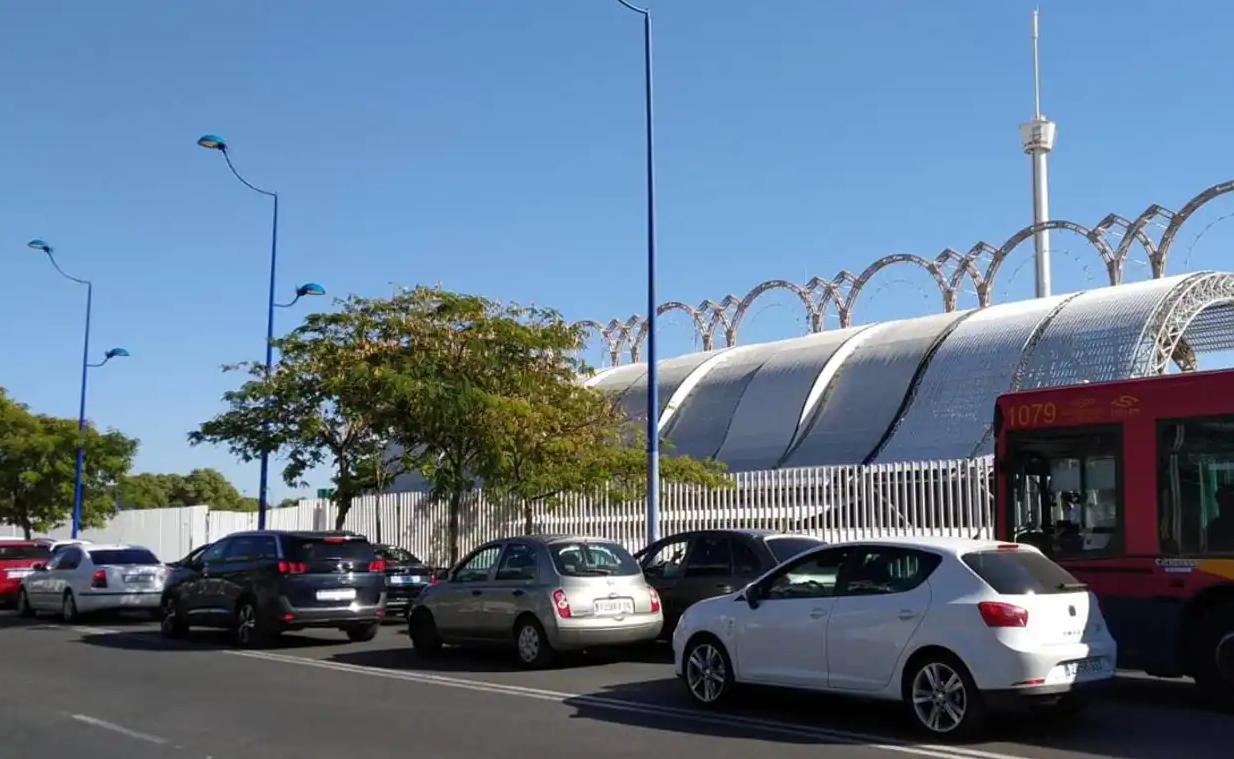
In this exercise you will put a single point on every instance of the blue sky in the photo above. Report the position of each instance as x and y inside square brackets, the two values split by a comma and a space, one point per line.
[496, 147]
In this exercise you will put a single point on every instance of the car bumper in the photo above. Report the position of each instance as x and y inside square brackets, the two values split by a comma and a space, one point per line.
[401, 599]
[296, 618]
[119, 600]
[609, 633]
[1012, 698]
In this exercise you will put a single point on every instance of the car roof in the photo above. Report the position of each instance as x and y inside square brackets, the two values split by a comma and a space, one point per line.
[947, 545]
[307, 534]
[20, 543]
[113, 547]
[563, 538]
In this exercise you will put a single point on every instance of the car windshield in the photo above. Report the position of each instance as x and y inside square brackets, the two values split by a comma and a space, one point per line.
[785, 547]
[328, 548]
[19, 552]
[586, 559]
[395, 555]
[107, 556]
[1021, 572]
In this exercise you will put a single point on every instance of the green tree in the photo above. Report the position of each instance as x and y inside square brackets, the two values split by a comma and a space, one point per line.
[37, 469]
[314, 408]
[207, 487]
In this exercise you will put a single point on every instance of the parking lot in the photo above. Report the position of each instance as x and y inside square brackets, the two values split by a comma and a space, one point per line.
[115, 688]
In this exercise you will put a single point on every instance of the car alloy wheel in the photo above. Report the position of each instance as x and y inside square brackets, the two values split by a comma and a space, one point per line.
[940, 697]
[529, 644]
[24, 609]
[246, 625]
[170, 625]
[706, 673]
[69, 609]
[1224, 659]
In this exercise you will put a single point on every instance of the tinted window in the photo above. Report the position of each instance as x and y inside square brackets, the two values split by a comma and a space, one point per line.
[1195, 481]
[745, 559]
[11, 552]
[393, 555]
[889, 570]
[517, 563]
[665, 562]
[314, 549]
[252, 548]
[477, 567]
[215, 552]
[123, 556]
[712, 557]
[68, 558]
[592, 559]
[786, 548]
[1020, 573]
[813, 577]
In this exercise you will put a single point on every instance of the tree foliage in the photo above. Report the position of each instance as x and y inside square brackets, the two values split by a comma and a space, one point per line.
[37, 469]
[199, 487]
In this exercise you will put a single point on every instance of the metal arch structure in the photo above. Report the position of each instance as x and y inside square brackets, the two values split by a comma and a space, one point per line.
[1164, 339]
[948, 270]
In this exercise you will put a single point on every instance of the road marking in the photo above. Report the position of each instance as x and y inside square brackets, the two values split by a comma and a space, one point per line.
[122, 730]
[84, 630]
[764, 725]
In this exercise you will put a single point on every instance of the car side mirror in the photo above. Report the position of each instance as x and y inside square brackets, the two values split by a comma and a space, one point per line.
[39, 566]
[750, 596]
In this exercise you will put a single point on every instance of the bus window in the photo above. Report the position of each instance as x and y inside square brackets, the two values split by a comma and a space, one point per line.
[1195, 484]
[1064, 493]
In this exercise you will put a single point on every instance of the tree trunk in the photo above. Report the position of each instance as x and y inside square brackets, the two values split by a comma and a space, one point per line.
[452, 527]
[344, 506]
[529, 518]
[26, 528]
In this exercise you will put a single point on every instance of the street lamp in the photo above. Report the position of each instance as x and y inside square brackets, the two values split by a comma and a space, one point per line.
[43, 247]
[653, 374]
[214, 142]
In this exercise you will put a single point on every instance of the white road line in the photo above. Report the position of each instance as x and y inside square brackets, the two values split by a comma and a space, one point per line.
[612, 704]
[122, 730]
[84, 630]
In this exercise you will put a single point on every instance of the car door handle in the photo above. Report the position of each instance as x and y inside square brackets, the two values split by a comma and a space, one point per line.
[475, 592]
[518, 593]
[818, 613]
[906, 614]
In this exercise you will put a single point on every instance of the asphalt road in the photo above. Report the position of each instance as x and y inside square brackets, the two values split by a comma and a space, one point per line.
[115, 689]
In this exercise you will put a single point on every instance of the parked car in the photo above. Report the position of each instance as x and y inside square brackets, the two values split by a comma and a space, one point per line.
[539, 595]
[82, 578]
[406, 578]
[260, 584]
[693, 566]
[949, 627]
[17, 559]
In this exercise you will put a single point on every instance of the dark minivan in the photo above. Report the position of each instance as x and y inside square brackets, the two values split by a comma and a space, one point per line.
[260, 584]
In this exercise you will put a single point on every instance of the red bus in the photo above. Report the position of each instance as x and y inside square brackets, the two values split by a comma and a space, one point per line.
[1130, 486]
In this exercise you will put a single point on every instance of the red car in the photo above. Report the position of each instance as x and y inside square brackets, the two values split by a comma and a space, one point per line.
[16, 559]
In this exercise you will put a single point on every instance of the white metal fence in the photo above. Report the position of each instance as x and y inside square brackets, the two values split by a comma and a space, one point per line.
[953, 498]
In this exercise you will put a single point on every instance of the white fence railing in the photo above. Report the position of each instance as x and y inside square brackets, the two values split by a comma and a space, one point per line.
[946, 498]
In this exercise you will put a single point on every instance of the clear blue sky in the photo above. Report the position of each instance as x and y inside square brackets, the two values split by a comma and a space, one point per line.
[495, 146]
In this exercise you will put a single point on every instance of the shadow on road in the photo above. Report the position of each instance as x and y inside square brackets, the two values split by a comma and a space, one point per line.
[197, 640]
[450, 660]
[1112, 728]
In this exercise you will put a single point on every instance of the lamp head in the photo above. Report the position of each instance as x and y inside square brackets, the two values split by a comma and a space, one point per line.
[310, 288]
[116, 353]
[39, 245]
[212, 141]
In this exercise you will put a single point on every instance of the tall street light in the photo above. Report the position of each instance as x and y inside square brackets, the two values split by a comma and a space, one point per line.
[653, 378]
[214, 142]
[79, 467]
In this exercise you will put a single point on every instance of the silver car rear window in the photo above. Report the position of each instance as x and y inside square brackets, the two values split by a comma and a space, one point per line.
[587, 559]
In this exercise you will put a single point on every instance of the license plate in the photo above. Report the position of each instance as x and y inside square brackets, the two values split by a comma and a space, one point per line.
[612, 607]
[341, 594]
[137, 579]
[15, 573]
[406, 580]
[1085, 667]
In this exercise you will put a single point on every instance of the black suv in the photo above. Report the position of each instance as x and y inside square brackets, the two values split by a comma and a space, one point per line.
[260, 584]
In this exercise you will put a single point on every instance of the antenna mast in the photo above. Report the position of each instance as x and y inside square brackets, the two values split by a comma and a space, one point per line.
[1038, 139]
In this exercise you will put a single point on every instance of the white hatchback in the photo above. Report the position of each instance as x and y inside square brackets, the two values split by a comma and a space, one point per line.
[948, 626]
[86, 577]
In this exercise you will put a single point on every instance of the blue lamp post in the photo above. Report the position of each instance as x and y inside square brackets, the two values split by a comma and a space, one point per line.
[79, 467]
[214, 142]
[653, 378]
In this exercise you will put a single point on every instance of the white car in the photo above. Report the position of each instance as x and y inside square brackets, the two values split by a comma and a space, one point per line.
[89, 577]
[946, 626]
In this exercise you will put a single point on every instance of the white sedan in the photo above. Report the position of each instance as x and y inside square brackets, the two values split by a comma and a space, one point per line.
[84, 578]
[946, 626]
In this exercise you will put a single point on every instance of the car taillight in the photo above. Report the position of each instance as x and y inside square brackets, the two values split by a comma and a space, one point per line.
[99, 579]
[377, 565]
[292, 567]
[561, 603]
[655, 600]
[432, 579]
[1008, 547]
[996, 614]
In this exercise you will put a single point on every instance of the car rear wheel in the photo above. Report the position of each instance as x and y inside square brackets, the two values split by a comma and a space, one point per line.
[422, 629]
[68, 608]
[534, 651]
[249, 630]
[171, 623]
[708, 671]
[363, 633]
[943, 698]
[24, 609]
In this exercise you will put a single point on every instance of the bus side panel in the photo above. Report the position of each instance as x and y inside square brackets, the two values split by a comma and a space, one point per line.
[1143, 606]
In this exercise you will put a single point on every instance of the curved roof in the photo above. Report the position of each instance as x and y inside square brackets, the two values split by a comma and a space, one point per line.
[673, 372]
